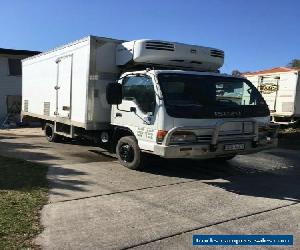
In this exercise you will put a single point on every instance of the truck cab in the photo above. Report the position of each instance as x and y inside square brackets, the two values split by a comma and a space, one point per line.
[174, 112]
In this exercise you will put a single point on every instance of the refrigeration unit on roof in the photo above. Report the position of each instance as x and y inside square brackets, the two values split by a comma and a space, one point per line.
[169, 54]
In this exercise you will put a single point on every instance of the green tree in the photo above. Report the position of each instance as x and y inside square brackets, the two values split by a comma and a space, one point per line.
[295, 63]
[236, 72]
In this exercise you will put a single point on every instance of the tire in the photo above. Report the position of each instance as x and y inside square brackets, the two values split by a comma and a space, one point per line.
[49, 133]
[129, 153]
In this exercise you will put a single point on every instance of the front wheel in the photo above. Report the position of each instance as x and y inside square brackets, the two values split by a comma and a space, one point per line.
[129, 153]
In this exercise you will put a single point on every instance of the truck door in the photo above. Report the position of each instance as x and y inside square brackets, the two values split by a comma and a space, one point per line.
[137, 110]
[64, 87]
[268, 86]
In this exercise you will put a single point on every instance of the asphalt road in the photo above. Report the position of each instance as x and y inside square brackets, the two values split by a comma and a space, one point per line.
[95, 203]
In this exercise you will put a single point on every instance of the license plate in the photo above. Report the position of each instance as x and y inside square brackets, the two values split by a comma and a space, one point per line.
[232, 147]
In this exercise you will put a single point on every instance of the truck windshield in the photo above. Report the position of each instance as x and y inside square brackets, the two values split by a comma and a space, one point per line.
[194, 96]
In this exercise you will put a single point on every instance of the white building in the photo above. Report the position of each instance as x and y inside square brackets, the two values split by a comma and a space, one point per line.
[280, 88]
[11, 79]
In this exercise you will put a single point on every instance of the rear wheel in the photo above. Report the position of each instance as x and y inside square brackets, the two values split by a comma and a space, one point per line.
[129, 153]
[49, 133]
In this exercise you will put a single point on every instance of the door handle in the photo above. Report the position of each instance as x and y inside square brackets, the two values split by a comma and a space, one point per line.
[118, 114]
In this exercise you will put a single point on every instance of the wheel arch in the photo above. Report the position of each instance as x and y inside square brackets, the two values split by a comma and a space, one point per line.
[45, 122]
[119, 132]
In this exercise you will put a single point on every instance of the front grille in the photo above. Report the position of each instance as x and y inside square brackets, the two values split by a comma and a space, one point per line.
[160, 46]
[228, 137]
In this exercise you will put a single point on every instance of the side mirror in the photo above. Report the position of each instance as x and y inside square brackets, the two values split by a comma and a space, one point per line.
[114, 93]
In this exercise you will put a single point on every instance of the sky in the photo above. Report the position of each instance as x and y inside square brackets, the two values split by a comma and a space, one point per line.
[255, 35]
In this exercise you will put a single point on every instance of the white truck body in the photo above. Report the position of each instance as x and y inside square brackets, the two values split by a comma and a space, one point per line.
[146, 96]
[280, 87]
[68, 84]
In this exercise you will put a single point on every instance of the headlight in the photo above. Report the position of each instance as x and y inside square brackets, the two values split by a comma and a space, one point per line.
[183, 137]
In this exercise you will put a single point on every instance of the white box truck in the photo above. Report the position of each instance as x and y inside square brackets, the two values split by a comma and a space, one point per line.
[280, 88]
[146, 97]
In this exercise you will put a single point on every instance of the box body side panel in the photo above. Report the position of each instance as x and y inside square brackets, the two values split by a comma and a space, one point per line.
[40, 77]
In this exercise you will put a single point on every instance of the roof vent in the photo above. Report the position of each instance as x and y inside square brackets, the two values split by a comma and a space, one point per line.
[177, 60]
[217, 53]
[160, 46]
[196, 62]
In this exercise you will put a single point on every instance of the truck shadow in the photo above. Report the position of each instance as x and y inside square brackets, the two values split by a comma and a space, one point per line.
[272, 174]
[39, 150]
[26, 151]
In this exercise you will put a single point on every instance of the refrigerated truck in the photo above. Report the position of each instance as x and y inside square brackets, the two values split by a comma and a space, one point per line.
[146, 97]
[280, 87]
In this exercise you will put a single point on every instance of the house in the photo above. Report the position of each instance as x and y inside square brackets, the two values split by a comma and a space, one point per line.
[11, 80]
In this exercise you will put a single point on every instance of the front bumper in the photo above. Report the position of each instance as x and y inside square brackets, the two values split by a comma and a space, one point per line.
[214, 147]
[204, 151]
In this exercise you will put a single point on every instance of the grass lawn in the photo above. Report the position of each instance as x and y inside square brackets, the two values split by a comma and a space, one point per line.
[23, 192]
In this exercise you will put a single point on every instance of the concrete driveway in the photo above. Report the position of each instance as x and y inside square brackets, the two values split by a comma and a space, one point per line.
[95, 203]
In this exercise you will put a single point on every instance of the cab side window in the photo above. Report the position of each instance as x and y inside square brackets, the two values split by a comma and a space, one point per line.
[141, 90]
